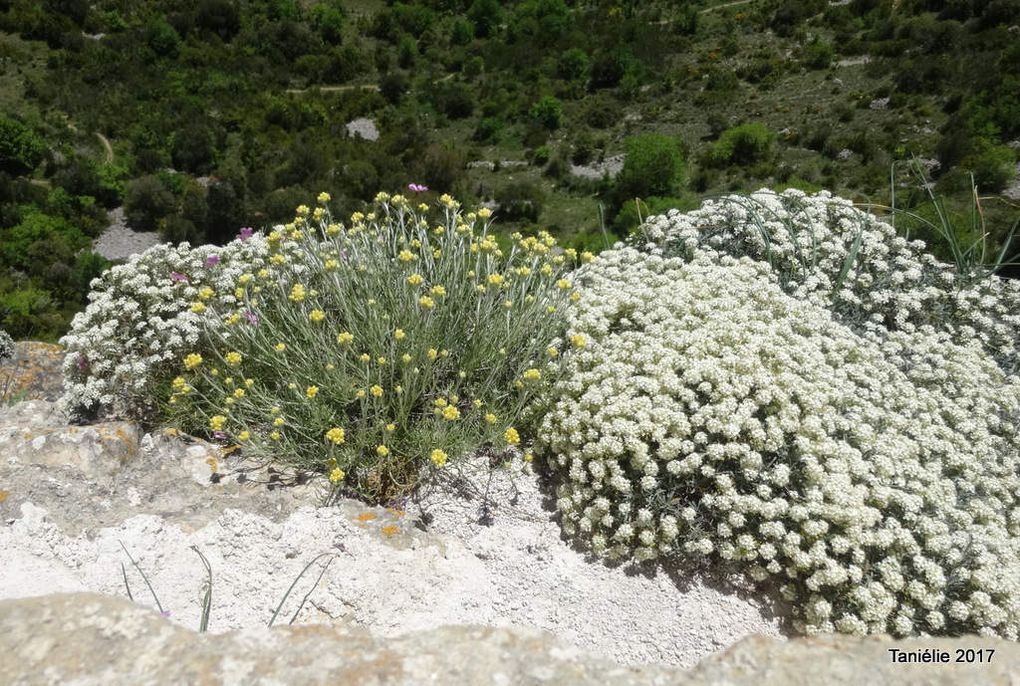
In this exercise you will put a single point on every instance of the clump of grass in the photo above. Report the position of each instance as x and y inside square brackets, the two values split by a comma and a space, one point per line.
[373, 348]
[203, 622]
[966, 237]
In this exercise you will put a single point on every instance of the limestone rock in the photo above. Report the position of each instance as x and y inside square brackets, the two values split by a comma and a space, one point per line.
[101, 474]
[85, 638]
[840, 660]
[93, 639]
[34, 372]
[31, 439]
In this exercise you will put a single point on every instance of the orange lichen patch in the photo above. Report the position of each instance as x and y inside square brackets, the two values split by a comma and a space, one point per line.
[366, 516]
[35, 371]
[390, 529]
[171, 432]
[214, 464]
[126, 439]
[3, 496]
[28, 436]
[226, 451]
[395, 512]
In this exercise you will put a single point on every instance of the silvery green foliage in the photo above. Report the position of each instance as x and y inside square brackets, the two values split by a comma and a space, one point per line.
[825, 250]
[138, 324]
[6, 346]
[712, 415]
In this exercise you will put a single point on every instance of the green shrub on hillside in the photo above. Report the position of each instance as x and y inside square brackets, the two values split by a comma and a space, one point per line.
[147, 201]
[743, 144]
[653, 167]
[21, 150]
[547, 112]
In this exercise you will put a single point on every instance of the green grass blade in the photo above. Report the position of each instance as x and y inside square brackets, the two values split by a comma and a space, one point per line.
[851, 257]
[203, 624]
[312, 589]
[144, 578]
[294, 583]
[127, 586]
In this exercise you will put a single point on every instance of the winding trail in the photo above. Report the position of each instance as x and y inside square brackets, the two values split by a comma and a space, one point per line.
[106, 145]
[334, 89]
[724, 5]
[663, 22]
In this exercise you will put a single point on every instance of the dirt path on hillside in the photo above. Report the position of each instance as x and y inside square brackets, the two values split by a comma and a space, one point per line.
[335, 89]
[663, 22]
[106, 145]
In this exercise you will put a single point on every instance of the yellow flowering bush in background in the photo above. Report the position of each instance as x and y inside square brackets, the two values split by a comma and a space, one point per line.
[378, 348]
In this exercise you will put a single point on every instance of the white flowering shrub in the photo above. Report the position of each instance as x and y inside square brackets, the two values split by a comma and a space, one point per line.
[709, 411]
[130, 337]
[825, 250]
[6, 346]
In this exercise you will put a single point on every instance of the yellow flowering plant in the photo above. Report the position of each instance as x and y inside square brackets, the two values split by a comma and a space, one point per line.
[384, 346]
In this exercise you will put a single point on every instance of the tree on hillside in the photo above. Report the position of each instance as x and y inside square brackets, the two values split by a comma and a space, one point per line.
[654, 165]
[20, 148]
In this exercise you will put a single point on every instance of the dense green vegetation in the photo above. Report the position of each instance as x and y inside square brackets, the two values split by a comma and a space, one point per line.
[228, 113]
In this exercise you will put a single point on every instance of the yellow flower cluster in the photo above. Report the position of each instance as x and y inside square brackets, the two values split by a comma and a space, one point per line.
[397, 365]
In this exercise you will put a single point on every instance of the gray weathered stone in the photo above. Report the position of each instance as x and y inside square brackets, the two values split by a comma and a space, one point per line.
[94, 639]
[84, 638]
[849, 661]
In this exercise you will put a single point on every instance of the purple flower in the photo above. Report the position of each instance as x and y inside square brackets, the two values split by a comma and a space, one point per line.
[82, 363]
[212, 260]
[417, 187]
[178, 277]
[252, 318]
[219, 435]
[246, 233]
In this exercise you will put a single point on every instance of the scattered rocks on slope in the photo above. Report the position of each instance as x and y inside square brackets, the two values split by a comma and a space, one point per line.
[611, 166]
[1013, 190]
[363, 128]
[119, 242]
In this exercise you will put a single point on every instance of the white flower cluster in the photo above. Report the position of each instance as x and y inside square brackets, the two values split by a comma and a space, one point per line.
[138, 323]
[712, 415]
[6, 346]
[824, 249]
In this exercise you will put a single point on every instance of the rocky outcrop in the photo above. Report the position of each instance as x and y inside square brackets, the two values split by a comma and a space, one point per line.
[98, 475]
[93, 639]
[479, 546]
[34, 372]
